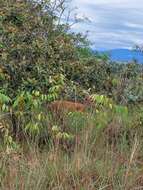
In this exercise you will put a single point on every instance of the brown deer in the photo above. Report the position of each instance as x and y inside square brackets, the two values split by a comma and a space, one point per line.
[59, 110]
[64, 106]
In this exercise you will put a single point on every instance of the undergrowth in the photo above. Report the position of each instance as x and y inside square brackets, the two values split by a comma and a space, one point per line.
[83, 152]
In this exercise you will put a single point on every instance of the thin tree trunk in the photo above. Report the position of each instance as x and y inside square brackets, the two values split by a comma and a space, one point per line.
[14, 124]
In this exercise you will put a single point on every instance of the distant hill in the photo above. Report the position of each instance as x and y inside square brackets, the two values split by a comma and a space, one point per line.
[124, 55]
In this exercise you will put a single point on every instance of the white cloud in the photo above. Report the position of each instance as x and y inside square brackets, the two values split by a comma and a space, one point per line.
[133, 25]
[112, 3]
[114, 24]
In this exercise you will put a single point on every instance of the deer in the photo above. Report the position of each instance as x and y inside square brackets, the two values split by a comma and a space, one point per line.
[64, 106]
[60, 109]
[57, 112]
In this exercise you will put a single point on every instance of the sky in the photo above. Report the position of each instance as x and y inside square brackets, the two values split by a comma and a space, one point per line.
[111, 23]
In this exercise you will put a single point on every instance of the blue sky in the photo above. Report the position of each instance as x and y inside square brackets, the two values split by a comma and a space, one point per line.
[112, 23]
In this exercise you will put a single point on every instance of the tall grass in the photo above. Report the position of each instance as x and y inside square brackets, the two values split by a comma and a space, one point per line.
[98, 152]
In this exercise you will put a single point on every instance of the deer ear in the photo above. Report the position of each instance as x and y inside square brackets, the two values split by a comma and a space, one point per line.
[87, 99]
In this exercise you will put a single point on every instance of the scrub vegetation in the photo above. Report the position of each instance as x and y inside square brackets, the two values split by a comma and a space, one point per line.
[70, 118]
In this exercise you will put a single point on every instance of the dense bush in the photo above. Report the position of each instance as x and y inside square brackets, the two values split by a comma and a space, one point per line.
[33, 47]
[35, 54]
[40, 61]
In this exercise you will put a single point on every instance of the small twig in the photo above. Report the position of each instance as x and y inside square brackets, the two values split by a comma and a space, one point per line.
[131, 159]
[104, 187]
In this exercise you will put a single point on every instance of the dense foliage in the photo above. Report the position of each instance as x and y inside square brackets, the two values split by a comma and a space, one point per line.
[33, 47]
[40, 61]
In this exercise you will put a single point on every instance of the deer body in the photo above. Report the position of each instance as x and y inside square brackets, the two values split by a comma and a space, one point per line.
[63, 106]
[60, 108]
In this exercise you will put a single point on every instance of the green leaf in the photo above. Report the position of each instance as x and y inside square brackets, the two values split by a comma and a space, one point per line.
[4, 98]
[121, 110]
